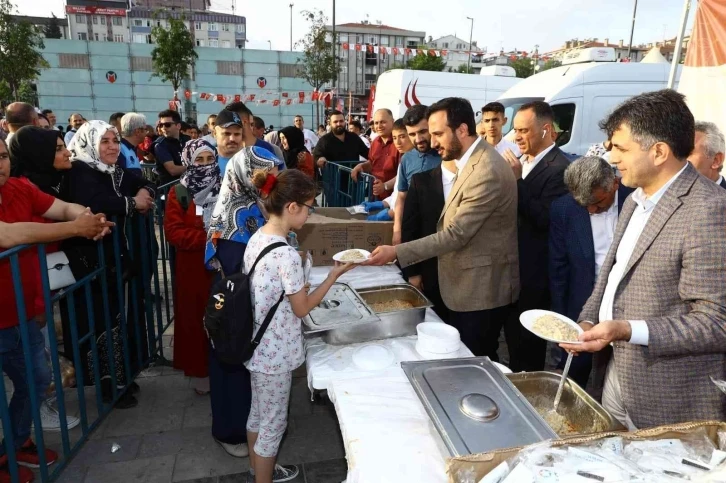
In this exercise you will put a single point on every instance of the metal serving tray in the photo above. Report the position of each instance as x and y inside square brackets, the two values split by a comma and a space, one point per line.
[583, 414]
[474, 407]
[353, 321]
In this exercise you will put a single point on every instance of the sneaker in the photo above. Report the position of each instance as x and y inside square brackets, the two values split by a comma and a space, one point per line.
[50, 418]
[237, 450]
[284, 473]
[24, 474]
[28, 456]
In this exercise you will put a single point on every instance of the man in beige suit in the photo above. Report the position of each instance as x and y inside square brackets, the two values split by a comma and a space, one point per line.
[660, 297]
[476, 238]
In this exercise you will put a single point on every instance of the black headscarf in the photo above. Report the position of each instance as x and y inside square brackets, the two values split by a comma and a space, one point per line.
[32, 152]
[295, 145]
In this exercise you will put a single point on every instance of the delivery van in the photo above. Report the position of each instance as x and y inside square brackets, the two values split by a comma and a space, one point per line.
[584, 91]
[400, 89]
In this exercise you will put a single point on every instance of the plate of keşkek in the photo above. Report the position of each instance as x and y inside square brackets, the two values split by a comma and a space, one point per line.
[551, 326]
[355, 255]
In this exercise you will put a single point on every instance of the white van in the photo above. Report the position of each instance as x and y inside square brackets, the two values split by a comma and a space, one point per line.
[400, 89]
[583, 94]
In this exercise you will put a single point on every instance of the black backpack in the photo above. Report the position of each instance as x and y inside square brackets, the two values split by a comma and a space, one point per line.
[230, 317]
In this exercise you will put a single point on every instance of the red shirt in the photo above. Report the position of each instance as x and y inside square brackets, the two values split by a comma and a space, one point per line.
[384, 158]
[21, 202]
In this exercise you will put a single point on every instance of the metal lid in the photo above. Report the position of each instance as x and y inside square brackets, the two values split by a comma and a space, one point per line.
[341, 306]
[479, 407]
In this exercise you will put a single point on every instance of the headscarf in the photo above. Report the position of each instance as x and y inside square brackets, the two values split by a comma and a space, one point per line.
[32, 153]
[237, 216]
[273, 138]
[295, 145]
[85, 148]
[203, 182]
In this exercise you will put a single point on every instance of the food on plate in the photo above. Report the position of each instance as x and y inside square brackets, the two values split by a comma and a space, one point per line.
[551, 327]
[352, 256]
[391, 306]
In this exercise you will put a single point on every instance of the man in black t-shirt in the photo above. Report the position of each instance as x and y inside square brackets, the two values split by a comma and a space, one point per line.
[339, 144]
[168, 147]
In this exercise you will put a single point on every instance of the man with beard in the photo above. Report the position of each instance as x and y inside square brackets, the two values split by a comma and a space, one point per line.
[229, 135]
[423, 158]
[476, 235]
[339, 144]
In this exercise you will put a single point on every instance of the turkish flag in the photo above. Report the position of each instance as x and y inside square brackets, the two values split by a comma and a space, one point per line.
[285, 94]
[188, 94]
[301, 95]
[358, 47]
[237, 98]
[383, 50]
[444, 52]
[395, 51]
[315, 96]
[276, 102]
[251, 97]
[369, 48]
[419, 52]
[432, 53]
[288, 102]
[408, 51]
[346, 45]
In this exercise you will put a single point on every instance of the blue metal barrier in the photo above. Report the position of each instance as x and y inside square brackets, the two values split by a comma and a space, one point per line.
[339, 189]
[134, 276]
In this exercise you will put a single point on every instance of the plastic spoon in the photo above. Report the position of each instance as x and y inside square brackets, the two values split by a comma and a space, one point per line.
[562, 381]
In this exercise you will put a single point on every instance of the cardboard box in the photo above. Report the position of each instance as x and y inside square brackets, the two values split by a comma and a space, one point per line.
[332, 230]
[477, 466]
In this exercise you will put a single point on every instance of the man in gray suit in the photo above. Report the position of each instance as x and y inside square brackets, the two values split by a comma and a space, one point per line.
[476, 237]
[660, 297]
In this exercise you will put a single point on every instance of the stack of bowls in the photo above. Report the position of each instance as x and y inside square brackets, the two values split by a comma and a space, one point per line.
[436, 340]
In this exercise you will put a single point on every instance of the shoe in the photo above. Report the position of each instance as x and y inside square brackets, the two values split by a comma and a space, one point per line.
[285, 473]
[24, 474]
[28, 456]
[127, 401]
[237, 450]
[50, 418]
[134, 388]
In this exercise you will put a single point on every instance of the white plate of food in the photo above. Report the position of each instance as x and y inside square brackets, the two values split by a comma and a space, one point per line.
[551, 326]
[355, 255]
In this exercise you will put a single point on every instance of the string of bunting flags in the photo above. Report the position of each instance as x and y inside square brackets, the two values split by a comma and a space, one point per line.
[272, 98]
[375, 49]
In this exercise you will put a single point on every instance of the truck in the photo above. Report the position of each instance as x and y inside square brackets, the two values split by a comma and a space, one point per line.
[399, 89]
[583, 91]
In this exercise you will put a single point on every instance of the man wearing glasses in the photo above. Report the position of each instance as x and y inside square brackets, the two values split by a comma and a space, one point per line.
[168, 147]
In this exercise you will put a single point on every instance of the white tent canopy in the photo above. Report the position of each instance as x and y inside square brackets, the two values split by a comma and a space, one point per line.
[654, 57]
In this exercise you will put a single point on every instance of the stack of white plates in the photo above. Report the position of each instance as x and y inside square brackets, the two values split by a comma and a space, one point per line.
[437, 338]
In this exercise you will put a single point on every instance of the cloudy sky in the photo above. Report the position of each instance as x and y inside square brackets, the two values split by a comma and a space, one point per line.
[518, 24]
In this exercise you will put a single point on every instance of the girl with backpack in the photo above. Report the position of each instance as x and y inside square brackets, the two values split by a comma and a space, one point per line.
[288, 200]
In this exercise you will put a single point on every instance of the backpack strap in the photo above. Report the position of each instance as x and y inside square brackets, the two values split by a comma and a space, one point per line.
[268, 318]
[182, 196]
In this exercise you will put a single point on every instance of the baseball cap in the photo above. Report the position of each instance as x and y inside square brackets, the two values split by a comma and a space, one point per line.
[227, 118]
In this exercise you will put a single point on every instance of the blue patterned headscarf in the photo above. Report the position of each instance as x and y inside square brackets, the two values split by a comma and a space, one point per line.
[237, 216]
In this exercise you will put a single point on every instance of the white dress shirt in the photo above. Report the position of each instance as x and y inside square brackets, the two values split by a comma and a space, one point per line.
[447, 178]
[603, 228]
[503, 145]
[718, 181]
[528, 166]
[461, 163]
[636, 225]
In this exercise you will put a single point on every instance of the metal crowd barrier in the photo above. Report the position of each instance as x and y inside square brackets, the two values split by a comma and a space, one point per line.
[339, 189]
[145, 303]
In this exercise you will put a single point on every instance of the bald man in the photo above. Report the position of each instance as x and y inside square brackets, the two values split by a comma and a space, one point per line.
[19, 114]
[383, 158]
[76, 121]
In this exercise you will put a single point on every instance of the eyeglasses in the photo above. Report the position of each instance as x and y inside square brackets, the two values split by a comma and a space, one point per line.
[166, 125]
[311, 209]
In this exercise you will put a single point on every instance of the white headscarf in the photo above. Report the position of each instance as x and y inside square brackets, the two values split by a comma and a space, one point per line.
[85, 147]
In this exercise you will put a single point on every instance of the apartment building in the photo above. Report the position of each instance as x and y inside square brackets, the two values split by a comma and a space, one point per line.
[458, 52]
[42, 22]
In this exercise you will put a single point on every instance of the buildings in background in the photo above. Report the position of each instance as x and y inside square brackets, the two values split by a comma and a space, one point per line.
[111, 21]
[359, 69]
[42, 22]
[458, 52]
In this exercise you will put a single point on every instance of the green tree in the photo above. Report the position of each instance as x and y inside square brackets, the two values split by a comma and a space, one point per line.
[20, 45]
[174, 55]
[522, 66]
[318, 65]
[465, 69]
[53, 30]
[396, 65]
[550, 64]
[426, 62]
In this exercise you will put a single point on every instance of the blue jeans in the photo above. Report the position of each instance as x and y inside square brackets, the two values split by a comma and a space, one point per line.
[13, 363]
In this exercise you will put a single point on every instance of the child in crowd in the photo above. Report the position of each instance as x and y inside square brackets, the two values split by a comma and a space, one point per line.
[288, 200]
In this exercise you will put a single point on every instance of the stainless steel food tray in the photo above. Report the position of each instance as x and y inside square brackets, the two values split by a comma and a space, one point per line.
[583, 413]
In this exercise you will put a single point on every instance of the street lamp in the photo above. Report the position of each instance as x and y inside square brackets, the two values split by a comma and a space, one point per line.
[632, 28]
[471, 32]
[270, 42]
[291, 5]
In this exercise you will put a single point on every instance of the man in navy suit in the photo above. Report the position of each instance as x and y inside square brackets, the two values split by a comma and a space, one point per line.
[582, 224]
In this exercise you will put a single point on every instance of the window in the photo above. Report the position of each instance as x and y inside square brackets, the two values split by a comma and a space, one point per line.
[138, 22]
[80, 19]
[103, 20]
[225, 27]
[95, 37]
[240, 27]
[446, 45]
[200, 43]
[358, 39]
[118, 38]
[117, 20]
[213, 43]
[384, 39]
[342, 38]
[82, 36]
[95, 20]
[399, 41]
[140, 38]
[225, 44]
[213, 27]
[197, 25]
[372, 39]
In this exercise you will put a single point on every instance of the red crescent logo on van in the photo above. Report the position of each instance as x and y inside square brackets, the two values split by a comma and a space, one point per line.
[414, 99]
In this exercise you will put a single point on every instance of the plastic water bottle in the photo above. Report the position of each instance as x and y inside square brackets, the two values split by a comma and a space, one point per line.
[292, 240]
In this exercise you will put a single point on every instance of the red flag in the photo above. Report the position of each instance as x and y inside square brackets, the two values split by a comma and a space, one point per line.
[395, 51]
[301, 95]
[301, 100]
[383, 50]
[345, 45]
[188, 94]
[237, 98]
[358, 47]
[251, 97]
[288, 102]
[524, 54]
[419, 52]
[369, 48]
[276, 102]
[408, 51]
[432, 53]
[513, 57]
[315, 96]
[262, 101]
[285, 94]
[444, 52]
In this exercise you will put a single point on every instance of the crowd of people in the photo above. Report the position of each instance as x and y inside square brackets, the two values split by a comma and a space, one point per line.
[625, 240]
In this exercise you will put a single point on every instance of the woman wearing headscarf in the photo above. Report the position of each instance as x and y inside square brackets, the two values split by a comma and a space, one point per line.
[96, 182]
[297, 155]
[188, 210]
[41, 156]
[235, 218]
